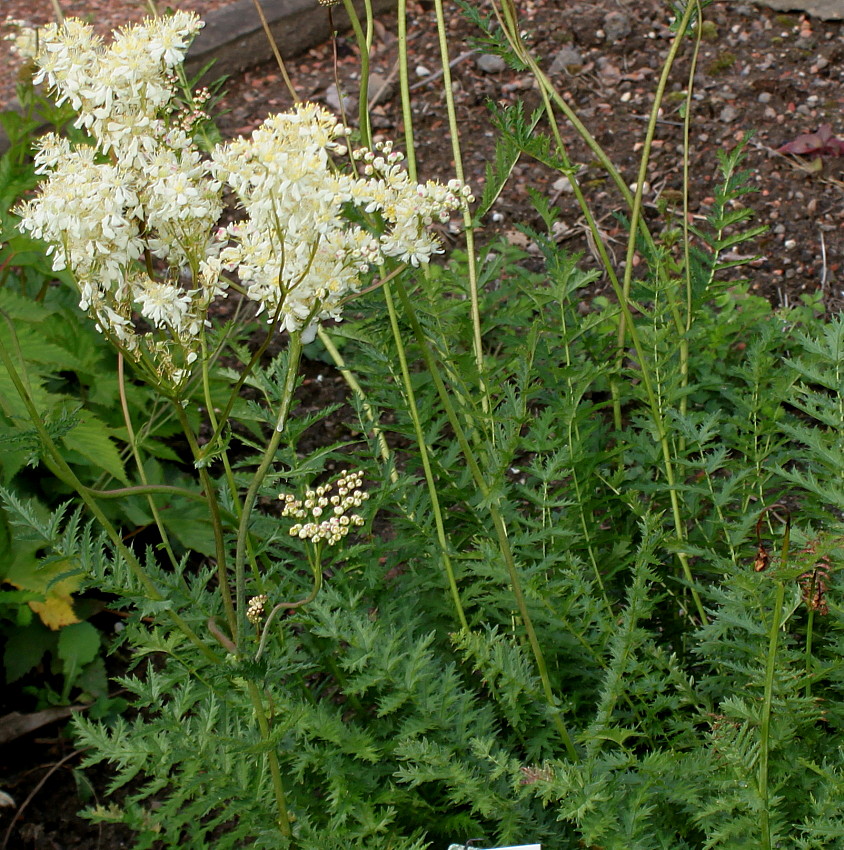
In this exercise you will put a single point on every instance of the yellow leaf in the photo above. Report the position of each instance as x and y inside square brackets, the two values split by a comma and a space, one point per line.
[56, 609]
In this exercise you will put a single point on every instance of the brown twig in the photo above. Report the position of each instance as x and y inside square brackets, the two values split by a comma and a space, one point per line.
[34, 791]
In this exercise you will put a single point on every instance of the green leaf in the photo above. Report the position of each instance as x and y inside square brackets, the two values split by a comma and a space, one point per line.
[25, 647]
[90, 437]
[78, 646]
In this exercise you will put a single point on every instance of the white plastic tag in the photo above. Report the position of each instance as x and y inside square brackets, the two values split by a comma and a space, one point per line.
[509, 847]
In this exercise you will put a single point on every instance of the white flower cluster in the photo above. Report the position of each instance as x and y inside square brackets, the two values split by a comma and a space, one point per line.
[134, 218]
[298, 252]
[255, 609]
[107, 218]
[321, 502]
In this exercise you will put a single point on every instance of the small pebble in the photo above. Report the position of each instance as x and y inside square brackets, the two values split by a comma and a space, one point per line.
[332, 99]
[728, 114]
[616, 25]
[563, 185]
[489, 63]
[565, 59]
[764, 97]
[422, 71]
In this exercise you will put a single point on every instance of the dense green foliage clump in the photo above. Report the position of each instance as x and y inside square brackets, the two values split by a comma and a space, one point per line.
[594, 601]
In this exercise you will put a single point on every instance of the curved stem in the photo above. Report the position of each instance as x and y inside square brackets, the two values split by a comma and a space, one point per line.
[290, 606]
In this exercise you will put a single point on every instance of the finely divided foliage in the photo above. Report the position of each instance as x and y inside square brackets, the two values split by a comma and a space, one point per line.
[577, 582]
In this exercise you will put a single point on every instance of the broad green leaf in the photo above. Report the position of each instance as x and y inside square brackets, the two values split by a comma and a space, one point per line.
[78, 645]
[25, 647]
[11, 403]
[90, 437]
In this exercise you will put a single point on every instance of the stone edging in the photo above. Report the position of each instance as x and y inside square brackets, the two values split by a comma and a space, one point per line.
[234, 37]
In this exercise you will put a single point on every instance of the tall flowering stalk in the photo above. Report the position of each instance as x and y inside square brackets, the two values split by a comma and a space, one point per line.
[135, 217]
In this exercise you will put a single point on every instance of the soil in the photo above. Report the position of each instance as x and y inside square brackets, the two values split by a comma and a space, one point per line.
[776, 75]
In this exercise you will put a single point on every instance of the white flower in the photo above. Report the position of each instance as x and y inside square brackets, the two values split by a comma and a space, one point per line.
[298, 252]
[162, 303]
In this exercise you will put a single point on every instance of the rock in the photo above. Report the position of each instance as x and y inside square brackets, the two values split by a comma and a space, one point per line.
[826, 10]
[728, 114]
[380, 88]
[332, 99]
[489, 63]
[764, 97]
[566, 59]
[380, 120]
[616, 26]
[563, 185]
[610, 73]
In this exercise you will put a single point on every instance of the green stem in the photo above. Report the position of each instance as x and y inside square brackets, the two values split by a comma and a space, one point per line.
[468, 228]
[133, 446]
[216, 518]
[765, 720]
[275, 768]
[354, 385]
[364, 41]
[404, 88]
[294, 355]
[687, 258]
[423, 453]
[497, 520]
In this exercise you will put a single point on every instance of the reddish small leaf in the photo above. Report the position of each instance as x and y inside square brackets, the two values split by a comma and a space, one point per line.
[822, 143]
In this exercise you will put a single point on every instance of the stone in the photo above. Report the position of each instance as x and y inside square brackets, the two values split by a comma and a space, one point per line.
[826, 10]
[728, 114]
[565, 59]
[333, 100]
[563, 185]
[381, 89]
[490, 63]
[616, 26]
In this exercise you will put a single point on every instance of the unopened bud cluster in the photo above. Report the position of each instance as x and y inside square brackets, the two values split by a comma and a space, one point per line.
[326, 509]
[255, 609]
